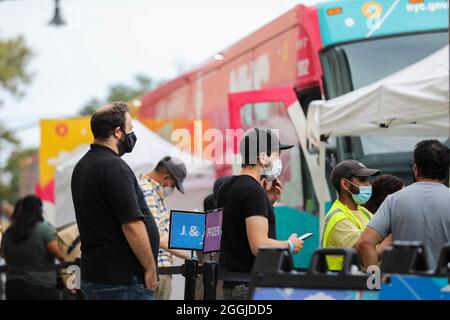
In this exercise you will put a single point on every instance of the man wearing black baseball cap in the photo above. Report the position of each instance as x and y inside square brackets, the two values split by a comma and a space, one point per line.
[248, 218]
[347, 218]
[157, 185]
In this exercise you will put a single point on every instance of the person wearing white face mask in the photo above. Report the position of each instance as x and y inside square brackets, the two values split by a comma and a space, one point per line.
[347, 218]
[157, 185]
[248, 218]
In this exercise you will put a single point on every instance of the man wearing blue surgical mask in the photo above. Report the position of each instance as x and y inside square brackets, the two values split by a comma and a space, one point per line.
[347, 218]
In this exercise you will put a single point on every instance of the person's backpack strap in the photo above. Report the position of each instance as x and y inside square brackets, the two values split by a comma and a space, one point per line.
[74, 244]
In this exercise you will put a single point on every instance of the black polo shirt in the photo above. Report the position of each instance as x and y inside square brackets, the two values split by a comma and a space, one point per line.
[106, 195]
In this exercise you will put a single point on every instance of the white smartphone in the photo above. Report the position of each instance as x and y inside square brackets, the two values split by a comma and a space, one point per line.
[306, 236]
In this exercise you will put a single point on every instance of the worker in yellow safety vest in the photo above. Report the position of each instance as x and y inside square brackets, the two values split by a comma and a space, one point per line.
[347, 218]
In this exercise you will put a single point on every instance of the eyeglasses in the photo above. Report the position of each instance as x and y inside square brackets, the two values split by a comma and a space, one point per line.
[411, 166]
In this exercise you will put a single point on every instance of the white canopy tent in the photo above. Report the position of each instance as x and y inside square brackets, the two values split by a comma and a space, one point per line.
[149, 149]
[411, 102]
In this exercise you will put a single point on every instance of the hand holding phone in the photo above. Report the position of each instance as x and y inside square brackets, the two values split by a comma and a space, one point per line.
[306, 236]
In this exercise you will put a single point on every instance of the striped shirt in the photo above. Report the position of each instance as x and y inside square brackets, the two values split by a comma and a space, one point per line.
[154, 196]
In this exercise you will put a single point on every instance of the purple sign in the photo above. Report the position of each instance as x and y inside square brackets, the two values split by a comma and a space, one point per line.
[213, 231]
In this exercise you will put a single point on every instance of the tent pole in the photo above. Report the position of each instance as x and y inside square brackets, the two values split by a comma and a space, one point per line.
[322, 186]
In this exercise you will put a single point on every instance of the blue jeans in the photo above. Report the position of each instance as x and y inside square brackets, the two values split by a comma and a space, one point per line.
[136, 290]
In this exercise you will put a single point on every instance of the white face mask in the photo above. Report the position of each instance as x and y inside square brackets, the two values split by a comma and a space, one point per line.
[168, 191]
[274, 172]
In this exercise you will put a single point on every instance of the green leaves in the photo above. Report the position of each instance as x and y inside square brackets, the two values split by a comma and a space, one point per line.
[14, 58]
[121, 92]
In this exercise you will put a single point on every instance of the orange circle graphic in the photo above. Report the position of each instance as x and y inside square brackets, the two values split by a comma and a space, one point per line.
[62, 129]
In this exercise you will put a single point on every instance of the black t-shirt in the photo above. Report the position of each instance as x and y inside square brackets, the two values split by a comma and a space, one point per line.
[106, 195]
[243, 197]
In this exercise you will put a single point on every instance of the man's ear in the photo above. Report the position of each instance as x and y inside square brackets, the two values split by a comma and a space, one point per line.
[343, 185]
[264, 159]
[118, 133]
[416, 170]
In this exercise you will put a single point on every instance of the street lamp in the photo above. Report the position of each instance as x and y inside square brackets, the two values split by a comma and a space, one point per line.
[57, 19]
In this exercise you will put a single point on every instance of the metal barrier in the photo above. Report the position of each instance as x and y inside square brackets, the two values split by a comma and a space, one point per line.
[211, 275]
[405, 257]
[403, 275]
[190, 270]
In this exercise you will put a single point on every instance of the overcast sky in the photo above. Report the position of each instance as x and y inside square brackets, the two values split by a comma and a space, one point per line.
[109, 41]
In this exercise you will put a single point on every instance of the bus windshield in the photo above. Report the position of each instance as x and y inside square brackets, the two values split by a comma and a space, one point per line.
[351, 66]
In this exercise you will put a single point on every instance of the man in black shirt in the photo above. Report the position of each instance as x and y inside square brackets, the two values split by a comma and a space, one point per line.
[119, 237]
[249, 219]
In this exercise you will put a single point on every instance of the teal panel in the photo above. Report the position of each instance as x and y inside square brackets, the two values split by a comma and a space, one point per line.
[367, 19]
[290, 220]
[328, 205]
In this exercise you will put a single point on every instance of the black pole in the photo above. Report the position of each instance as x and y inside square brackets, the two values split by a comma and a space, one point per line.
[190, 275]
[1, 209]
[210, 270]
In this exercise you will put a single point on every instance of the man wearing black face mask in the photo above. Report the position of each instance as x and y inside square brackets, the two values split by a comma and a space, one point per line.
[119, 236]
[127, 144]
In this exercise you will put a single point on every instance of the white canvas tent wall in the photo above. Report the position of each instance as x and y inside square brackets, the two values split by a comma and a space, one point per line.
[149, 149]
[411, 102]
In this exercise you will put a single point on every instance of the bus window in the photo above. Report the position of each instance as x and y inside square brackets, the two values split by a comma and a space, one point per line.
[351, 66]
[273, 115]
[247, 116]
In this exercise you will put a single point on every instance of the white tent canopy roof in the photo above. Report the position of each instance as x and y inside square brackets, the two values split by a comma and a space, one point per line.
[149, 149]
[412, 101]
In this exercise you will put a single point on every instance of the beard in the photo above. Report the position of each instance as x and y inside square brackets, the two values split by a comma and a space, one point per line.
[120, 147]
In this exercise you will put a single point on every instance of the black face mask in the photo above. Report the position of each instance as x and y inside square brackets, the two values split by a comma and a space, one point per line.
[127, 145]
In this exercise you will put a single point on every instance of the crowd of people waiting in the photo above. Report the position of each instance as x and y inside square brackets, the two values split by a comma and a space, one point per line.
[124, 223]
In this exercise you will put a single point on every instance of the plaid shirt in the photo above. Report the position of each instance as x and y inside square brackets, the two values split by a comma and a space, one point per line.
[154, 196]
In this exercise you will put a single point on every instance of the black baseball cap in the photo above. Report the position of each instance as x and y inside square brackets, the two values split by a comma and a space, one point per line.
[351, 168]
[258, 140]
[177, 169]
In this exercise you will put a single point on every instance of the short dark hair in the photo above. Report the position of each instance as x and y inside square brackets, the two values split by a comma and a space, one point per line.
[337, 185]
[161, 167]
[432, 159]
[103, 123]
[382, 187]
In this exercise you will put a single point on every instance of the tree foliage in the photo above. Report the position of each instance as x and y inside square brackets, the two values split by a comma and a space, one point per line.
[120, 92]
[10, 190]
[14, 59]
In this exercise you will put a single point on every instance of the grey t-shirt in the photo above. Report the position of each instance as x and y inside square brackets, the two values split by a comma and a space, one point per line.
[419, 212]
[31, 253]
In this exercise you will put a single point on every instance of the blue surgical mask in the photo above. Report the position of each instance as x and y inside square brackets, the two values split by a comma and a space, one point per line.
[363, 196]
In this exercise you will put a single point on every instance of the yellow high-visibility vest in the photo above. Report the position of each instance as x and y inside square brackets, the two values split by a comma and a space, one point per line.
[338, 212]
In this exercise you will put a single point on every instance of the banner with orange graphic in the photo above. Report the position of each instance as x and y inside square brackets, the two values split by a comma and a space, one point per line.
[58, 136]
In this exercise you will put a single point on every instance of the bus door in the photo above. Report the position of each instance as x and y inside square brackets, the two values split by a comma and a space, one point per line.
[276, 109]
